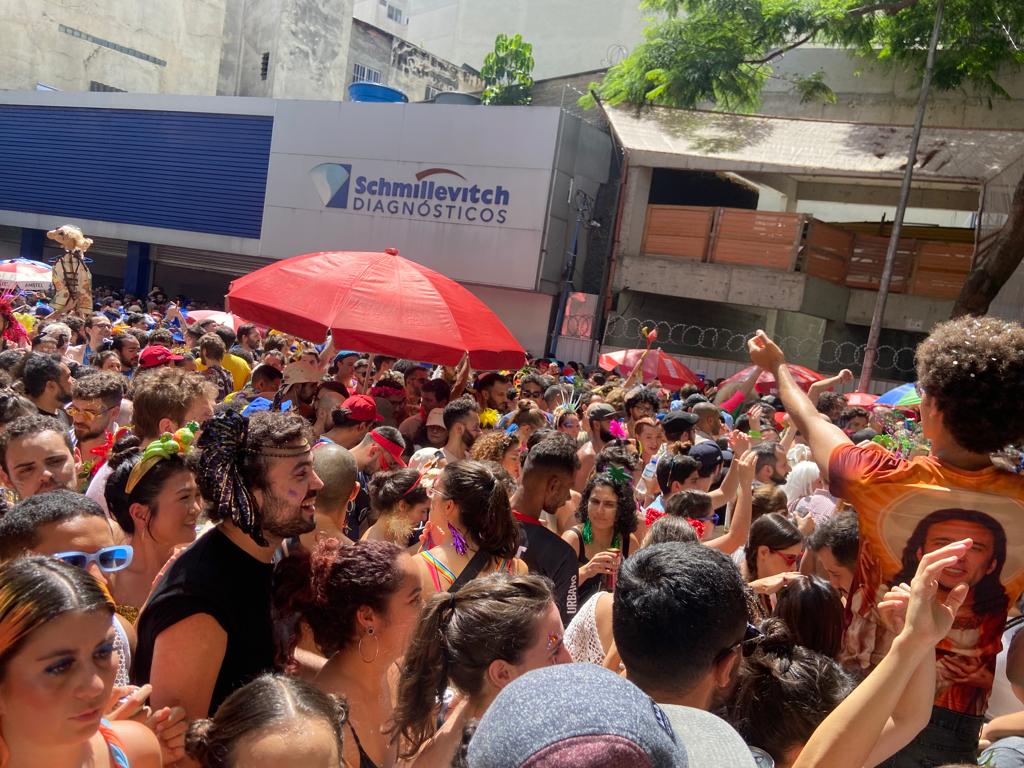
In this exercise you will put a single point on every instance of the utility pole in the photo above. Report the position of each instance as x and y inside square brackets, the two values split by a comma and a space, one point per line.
[871, 350]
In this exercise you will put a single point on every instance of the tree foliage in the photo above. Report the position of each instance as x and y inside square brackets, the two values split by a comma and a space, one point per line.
[508, 71]
[724, 51]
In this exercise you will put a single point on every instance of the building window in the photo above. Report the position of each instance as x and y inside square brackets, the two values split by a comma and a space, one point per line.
[364, 74]
[432, 92]
[264, 66]
[395, 14]
[104, 88]
[112, 46]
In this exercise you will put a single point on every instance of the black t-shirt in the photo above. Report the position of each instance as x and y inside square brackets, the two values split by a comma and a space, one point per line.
[547, 554]
[358, 518]
[215, 577]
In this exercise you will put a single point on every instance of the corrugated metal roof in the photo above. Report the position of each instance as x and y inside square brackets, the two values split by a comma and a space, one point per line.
[663, 137]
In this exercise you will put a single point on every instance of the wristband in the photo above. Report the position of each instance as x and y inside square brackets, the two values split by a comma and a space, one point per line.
[754, 433]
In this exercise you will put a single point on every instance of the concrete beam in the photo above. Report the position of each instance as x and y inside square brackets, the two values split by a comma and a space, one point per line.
[943, 199]
[903, 312]
[634, 209]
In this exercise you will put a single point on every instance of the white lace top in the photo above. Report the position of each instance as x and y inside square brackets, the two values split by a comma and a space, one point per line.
[581, 638]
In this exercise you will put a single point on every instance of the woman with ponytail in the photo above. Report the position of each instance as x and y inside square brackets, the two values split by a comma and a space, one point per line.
[152, 494]
[362, 603]
[272, 721]
[471, 526]
[495, 629]
[57, 667]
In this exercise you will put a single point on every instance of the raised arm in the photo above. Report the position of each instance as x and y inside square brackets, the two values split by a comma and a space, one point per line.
[461, 378]
[740, 527]
[739, 388]
[822, 436]
[815, 390]
[850, 735]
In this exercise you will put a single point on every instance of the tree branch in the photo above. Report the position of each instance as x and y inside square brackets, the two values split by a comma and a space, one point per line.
[893, 7]
[784, 49]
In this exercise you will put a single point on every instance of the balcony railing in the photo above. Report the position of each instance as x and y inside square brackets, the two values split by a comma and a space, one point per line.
[799, 242]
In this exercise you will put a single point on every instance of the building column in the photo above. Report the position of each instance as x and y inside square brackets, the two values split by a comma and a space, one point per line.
[136, 269]
[32, 244]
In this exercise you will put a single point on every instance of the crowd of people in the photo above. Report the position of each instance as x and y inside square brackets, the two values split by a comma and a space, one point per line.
[231, 547]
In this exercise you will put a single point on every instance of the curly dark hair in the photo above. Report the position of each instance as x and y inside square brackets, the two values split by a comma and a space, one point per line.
[968, 368]
[625, 513]
[493, 445]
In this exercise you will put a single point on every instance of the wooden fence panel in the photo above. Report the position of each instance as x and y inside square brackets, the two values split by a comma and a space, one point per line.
[868, 260]
[680, 231]
[827, 251]
[757, 238]
[941, 269]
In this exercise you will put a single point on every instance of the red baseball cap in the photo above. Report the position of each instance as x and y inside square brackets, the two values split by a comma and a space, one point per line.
[362, 408]
[393, 449]
[151, 357]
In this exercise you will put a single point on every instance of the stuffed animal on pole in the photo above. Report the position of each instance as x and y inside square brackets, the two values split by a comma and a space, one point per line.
[71, 277]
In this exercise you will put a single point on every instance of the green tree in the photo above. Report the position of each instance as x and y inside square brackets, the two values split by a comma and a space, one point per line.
[508, 71]
[724, 51]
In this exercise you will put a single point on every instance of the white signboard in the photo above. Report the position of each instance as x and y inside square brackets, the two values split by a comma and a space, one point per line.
[461, 189]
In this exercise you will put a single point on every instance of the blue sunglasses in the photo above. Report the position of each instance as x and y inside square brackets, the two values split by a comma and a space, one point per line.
[109, 559]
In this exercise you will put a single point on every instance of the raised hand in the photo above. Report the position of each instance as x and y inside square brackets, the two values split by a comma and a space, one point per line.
[930, 617]
[764, 352]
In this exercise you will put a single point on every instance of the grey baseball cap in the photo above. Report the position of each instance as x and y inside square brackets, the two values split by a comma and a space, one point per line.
[593, 718]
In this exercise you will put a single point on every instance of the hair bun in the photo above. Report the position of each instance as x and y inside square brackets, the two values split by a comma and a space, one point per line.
[197, 739]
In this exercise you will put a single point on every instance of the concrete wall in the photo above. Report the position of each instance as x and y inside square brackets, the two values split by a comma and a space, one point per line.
[184, 35]
[376, 13]
[405, 66]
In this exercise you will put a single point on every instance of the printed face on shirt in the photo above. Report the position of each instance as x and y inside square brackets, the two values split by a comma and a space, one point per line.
[976, 564]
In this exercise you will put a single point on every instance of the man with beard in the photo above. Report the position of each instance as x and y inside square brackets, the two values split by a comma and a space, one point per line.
[492, 392]
[379, 451]
[772, 465]
[95, 405]
[679, 619]
[462, 420]
[598, 417]
[128, 350]
[36, 456]
[49, 385]
[207, 629]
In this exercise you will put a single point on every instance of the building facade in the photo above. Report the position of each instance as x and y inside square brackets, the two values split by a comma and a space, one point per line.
[206, 189]
[120, 45]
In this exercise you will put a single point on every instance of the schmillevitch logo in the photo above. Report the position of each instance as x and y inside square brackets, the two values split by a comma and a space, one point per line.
[448, 198]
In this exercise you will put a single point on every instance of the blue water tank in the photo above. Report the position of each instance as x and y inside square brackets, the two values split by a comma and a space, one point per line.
[375, 92]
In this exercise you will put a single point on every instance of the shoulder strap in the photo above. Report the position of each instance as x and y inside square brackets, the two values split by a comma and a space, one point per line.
[580, 547]
[471, 571]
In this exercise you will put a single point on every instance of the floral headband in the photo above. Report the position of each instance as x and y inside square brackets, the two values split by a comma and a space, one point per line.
[164, 447]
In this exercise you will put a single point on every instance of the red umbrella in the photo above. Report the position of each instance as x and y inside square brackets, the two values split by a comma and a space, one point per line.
[376, 302]
[657, 365]
[221, 318]
[766, 383]
[860, 399]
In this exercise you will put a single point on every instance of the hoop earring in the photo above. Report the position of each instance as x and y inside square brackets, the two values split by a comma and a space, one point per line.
[376, 647]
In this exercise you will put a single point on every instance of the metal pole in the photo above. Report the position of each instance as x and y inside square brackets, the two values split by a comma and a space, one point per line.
[871, 350]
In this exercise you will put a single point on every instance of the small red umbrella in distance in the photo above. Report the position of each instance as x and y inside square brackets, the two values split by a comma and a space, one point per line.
[860, 399]
[657, 365]
[766, 383]
[376, 302]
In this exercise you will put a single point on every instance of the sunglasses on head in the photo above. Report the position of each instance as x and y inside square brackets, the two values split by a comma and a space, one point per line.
[108, 559]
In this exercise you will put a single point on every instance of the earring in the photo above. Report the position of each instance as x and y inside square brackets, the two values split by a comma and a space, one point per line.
[376, 647]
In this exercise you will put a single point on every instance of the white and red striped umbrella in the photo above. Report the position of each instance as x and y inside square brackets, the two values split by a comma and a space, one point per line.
[25, 275]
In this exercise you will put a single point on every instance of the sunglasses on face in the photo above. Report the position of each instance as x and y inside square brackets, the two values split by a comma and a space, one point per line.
[531, 393]
[747, 644]
[791, 560]
[74, 410]
[108, 559]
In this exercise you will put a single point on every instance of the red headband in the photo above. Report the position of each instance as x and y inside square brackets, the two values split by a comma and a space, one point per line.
[393, 449]
[413, 487]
